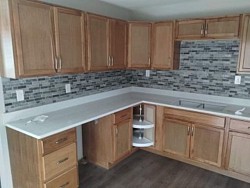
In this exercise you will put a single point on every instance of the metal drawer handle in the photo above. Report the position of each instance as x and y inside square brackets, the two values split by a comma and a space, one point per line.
[63, 160]
[64, 185]
[188, 131]
[123, 115]
[61, 140]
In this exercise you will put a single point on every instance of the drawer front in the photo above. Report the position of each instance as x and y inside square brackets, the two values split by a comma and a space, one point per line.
[195, 117]
[238, 125]
[66, 180]
[57, 141]
[59, 161]
[122, 115]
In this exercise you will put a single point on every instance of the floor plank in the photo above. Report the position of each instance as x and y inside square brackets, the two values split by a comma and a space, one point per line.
[144, 169]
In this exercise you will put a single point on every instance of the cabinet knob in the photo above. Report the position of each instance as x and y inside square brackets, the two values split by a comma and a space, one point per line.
[61, 140]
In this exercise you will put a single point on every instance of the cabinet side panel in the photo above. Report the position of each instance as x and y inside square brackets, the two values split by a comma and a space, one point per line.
[25, 160]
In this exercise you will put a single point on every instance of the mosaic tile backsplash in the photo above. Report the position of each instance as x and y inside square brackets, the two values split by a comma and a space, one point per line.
[206, 67]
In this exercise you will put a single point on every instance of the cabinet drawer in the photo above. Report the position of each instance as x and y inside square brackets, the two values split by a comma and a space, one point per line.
[238, 125]
[59, 161]
[57, 141]
[122, 115]
[66, 180]
[195, 117]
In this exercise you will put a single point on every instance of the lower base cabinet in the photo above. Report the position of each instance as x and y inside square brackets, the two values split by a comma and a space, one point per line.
[108, 140]
[43, 163]
[198, 142]
[238, 150]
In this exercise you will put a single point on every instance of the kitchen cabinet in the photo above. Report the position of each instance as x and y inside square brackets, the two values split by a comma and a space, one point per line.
[139, 45]
[41, 163]
[98, 42]
[108, 140]
[163, 46]
[238, 149]
[70, 40]
[118, 44]
[211, 28]
[48, 40]
[106, 43]
[193, 138]
[244, 56]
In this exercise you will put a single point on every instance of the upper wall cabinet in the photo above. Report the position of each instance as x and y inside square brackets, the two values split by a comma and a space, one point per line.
[118, 44]
[139, 45]
[163, 46]
[46, 39]
[70, 44]
[244, 58]
[212, 28]
[106, 43]
[98, 42]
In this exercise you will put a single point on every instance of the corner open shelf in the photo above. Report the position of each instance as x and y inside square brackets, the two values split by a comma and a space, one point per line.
[143, 125]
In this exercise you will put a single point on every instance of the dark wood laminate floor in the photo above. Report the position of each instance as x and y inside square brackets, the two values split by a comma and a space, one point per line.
[144, 169]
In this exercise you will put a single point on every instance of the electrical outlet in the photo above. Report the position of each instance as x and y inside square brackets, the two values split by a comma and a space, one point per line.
[147, 73]
[68, 88]
[19, 95]
[237, 80]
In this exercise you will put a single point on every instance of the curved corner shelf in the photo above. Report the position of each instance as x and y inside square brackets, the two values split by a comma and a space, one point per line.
[144, 142]
[142, 124]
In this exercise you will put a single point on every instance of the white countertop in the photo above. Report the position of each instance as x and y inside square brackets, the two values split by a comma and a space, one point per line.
[75, 115]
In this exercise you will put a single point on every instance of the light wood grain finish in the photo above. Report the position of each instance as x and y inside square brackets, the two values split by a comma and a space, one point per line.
[98, 42]
[59, 161]
[240, 126]
[66, 180]
[26, 166]
[206, 144]
[244, 57]
[176, 137]
[118, 44]
[190, 29]
[122, 139]
[139, 45]
[34, 38]
[195, 117]
[163, 45]
[227, 27]
[70, 40]
[58, 141]
[158, 128]
[122, 115]
[98, 141]
[238, 153]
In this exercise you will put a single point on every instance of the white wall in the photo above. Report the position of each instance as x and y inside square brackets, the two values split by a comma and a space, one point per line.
[95, 6]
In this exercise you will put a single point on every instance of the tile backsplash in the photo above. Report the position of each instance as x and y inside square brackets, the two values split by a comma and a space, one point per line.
[206, 67]
[46, 90]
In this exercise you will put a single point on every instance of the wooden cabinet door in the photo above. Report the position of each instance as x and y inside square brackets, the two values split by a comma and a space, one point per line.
[34, 38]
[122, 139]
[190, 29]
[163, 43]
[238, 153]
[176, 138]
[118, 44]
[98, 42]
[97, 141]
[244, 60]
[222, 27]
[206, 144]
[69, 29]
[139, 45]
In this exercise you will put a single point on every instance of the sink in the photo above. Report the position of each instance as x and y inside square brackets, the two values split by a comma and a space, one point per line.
[188, 103]
[212, 106]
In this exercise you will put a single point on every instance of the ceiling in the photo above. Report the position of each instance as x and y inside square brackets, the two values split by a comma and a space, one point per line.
[174, 9]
